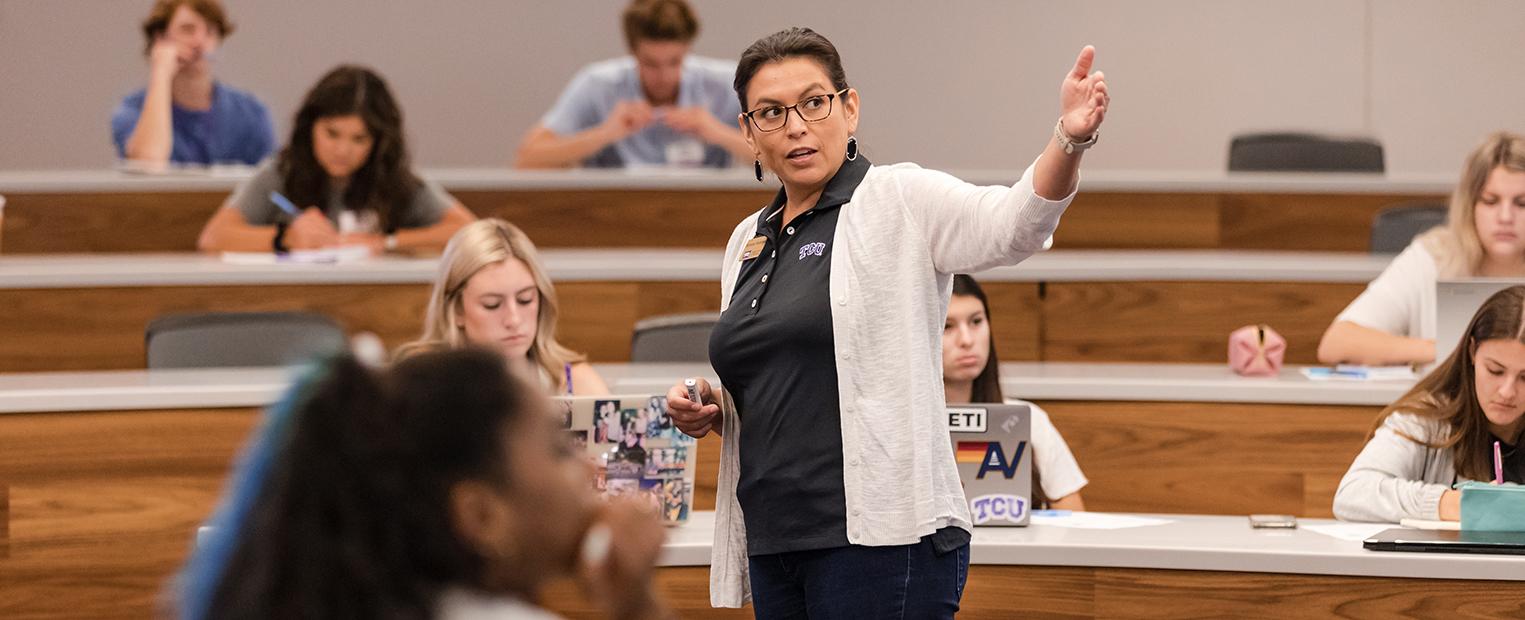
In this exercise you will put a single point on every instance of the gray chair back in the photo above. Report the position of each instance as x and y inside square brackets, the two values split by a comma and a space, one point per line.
[223, 339]
[1394, 227]
[1302, 152]
[673, 338]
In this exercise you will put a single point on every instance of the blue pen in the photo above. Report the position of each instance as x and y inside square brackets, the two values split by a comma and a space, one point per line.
[284, 203]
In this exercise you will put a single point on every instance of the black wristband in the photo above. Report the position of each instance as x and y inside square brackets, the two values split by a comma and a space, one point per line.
[278, 243]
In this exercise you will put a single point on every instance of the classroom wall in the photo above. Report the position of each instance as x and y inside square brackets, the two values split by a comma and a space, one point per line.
[969, 84]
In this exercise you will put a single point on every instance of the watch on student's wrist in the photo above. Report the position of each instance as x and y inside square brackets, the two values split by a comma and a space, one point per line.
[278, 242]
[1071, 145]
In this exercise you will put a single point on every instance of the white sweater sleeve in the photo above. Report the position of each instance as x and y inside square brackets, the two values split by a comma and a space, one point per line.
[1387, 481]
[1394, 302]
[1058, 472]
[971, 228]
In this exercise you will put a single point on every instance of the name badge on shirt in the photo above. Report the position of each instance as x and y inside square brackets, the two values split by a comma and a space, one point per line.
[753, 249]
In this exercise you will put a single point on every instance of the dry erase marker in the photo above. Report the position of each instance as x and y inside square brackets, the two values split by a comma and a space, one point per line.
[568, 368]
[692, 385]
[284, 204]
[1498, 464]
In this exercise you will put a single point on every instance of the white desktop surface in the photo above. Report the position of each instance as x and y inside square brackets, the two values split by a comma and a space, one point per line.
[499, 179]
[665, 265]
[1041, 381]
[1188, 542]
[115, 390]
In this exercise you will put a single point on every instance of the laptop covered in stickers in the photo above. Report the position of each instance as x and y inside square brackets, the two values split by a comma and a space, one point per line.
[992, 446]
[634, 448]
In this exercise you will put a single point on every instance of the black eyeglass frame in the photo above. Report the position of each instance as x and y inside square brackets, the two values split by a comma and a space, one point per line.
[830, 103]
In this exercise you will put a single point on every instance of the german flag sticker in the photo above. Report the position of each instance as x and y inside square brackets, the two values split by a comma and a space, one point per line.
[971, 451]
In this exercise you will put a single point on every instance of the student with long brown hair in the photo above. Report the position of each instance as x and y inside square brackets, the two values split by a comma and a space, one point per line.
[347, 169]
[1443, 430]
[972, 374]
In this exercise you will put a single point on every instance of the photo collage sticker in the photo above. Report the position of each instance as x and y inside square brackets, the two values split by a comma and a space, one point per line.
[635, 450]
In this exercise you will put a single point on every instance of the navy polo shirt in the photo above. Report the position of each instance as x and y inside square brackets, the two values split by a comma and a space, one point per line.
[774, 351]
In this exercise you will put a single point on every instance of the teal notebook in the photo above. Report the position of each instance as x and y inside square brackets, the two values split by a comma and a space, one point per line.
[1492, 507]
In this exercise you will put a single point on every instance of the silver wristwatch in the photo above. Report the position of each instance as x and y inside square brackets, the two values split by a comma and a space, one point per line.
[1070, 145]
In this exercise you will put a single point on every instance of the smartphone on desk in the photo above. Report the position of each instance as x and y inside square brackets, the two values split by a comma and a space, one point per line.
[1273, 522]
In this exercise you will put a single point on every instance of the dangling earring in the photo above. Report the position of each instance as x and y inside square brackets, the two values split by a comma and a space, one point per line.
[852, 148]
[757, 168]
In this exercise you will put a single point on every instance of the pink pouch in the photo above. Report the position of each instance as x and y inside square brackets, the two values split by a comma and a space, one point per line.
[1256, 351]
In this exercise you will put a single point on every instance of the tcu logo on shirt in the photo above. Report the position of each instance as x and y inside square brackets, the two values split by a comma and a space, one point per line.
[812, 249]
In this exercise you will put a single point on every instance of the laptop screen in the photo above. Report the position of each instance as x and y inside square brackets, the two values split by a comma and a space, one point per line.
[992, 448]
[1455, 303]
[634, 448]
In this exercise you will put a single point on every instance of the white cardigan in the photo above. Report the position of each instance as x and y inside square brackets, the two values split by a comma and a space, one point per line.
[898, 242]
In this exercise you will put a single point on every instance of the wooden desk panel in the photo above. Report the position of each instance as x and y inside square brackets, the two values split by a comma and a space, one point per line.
[102, 328]
[1002, 592]
[621, 218]
[160, 221]
[103, 505]
[1212, 458]
[1183, 321]
[119, 222]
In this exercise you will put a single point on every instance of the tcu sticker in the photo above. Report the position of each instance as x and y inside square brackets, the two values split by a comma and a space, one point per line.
[812, 249]
[987, 508]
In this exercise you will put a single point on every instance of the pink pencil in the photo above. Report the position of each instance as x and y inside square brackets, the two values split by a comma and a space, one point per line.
[1498, 464]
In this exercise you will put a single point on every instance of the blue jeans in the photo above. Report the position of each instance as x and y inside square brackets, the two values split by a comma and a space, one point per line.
[910, 581]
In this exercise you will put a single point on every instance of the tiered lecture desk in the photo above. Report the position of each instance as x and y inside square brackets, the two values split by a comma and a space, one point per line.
[88, 312]
[109, 211]
[104, 476]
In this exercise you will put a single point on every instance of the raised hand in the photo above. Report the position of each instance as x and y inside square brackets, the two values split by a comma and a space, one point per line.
[1083, 98]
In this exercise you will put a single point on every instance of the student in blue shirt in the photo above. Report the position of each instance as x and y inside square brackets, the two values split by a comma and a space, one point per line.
[659, 106]
[185, 116]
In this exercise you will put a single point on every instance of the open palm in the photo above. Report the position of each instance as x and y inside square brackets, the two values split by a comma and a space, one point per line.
[1083, 97]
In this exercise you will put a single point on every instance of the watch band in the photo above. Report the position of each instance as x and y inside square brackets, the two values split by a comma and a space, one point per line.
[1070, 145]
[278, 242]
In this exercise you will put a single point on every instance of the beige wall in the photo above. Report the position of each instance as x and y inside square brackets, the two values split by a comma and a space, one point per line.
[964, 84]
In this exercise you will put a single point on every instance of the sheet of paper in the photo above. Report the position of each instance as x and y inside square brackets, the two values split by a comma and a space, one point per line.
[1426, 524]
[345, 254]
[1096, 521]
[1349, 531]
[1359, 373]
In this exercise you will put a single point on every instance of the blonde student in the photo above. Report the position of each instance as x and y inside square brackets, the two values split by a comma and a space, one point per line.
[1443, 430]
[1393, 321]
[492, 291]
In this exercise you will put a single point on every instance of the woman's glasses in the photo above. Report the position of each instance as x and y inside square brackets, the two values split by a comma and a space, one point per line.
[811, 110]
